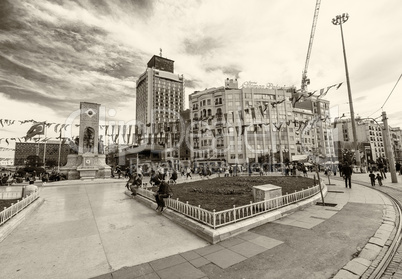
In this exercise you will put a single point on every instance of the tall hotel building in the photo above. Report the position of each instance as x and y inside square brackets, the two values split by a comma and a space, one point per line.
[160, 92]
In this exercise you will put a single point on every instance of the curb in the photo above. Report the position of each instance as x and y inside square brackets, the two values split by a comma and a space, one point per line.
[214, 236]
[11, 224]
[84, 182]
[372, 253]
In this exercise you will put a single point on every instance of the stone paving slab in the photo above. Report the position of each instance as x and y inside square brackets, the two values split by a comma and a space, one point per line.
[344, 274]
[223, 258]
[357, 266]
[183, 270]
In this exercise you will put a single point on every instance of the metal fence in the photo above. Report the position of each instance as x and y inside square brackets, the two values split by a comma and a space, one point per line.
[11, 211]
[221, 218]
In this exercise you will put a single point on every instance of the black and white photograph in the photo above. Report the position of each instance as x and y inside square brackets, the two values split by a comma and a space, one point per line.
[200, 139]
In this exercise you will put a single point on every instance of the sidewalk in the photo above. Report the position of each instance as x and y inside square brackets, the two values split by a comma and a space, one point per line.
[313, 243]
[95, 231]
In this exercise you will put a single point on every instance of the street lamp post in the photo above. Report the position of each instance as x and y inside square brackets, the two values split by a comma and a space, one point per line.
[339, 20]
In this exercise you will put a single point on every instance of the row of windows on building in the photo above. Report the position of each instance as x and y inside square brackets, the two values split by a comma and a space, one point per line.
[207, 102]
[236, 98]
[374, 128]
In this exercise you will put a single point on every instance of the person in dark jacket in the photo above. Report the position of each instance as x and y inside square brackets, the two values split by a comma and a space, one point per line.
[380, 165]
[347, 175]
[173, 177]
[372, 178]
[379, 178]
[163, 192]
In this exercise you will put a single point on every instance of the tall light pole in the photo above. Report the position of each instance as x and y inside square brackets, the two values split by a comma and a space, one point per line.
[339, 20]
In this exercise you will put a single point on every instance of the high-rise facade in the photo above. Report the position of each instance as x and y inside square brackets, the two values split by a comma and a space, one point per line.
[369, 138]
[320, 132]
[160, 92]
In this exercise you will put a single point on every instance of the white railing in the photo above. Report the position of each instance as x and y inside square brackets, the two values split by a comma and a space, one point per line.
[11, 211]
[221, 218]
[10, 195]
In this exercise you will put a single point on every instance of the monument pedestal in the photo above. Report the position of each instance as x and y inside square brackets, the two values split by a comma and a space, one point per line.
[70, 169]
[266, 192]
[88, 167]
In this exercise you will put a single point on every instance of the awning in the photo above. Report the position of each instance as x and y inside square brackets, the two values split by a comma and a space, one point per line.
[299, 157]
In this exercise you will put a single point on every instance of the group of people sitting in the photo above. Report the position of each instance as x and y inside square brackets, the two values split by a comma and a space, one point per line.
[158, 179]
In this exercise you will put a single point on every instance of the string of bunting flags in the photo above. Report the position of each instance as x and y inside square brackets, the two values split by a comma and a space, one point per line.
[300, 97]
[160, 131]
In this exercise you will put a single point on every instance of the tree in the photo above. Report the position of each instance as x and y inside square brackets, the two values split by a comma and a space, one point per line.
[51, 163]
[348, 156]
[263, 158]
[33, 161]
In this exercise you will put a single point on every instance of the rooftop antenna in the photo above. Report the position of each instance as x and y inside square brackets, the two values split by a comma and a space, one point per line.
[160, 52]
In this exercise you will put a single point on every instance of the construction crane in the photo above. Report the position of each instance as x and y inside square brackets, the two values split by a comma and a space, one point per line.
[306, 81]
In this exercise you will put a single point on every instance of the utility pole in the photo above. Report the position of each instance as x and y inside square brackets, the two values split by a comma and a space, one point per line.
[271, 153]
[339, 20]
[388, 148]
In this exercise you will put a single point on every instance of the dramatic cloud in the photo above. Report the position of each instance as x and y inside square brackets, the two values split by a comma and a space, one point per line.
[55, 54]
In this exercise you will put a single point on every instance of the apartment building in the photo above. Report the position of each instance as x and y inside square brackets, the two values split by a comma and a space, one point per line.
[252, 123]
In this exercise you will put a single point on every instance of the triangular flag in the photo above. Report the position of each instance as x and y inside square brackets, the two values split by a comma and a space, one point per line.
[253, 112]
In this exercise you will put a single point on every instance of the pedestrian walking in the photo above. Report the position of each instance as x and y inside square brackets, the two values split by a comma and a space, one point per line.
[226, 172]
[304, 171]
[398, 167]
[379, 178]
[380, 165]
[173, 178]
[372, 178]
[347, 175]
[340, 168]
[188, 173]
[118, 171]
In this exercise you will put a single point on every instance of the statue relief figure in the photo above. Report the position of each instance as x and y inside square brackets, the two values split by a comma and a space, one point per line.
[100, 145]
[73, 144]
[89, 139]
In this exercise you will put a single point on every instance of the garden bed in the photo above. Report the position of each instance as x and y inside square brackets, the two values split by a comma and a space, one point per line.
[7, 203]
[224, 192]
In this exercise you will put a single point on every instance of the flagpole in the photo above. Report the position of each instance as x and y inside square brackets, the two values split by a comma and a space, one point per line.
[58, 162]
[44, 148]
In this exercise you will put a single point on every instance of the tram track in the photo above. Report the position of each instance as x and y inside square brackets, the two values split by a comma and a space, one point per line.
[389, 266]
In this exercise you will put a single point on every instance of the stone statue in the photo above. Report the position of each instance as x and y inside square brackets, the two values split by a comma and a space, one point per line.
[73, 146]
[89, 139]
[100, 145]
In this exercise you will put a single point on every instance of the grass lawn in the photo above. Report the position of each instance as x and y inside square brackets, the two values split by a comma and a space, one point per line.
[224, 192]
[6, 203]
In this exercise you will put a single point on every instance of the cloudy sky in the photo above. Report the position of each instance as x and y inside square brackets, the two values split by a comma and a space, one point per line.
[55, 54]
